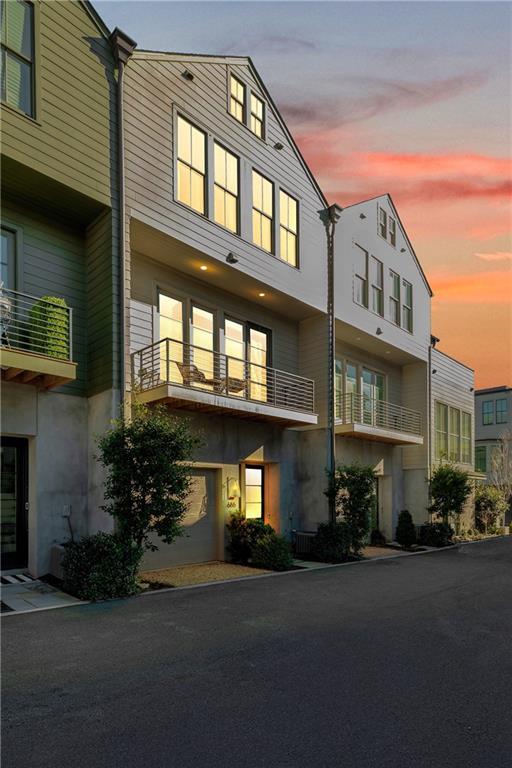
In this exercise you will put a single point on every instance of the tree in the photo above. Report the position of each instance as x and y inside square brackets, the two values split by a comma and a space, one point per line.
[500, 474]
[405, 531]
[147, 474]
[354, 488]
[490, 505]
[449, 490]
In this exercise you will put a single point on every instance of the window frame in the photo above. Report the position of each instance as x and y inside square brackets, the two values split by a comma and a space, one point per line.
[262, 468]
[249, 90]
[501, 415]
[253, 94]
[481, 450]
[392, 231]
[405, 306]
[375, 287]
[486, 423]
[262, 213]
[242, 104]
[283, 226]
[441, 432]
[225, 190]
[32, 62]
[395, 301]
[364, 280]
[382, 222]
[206, 176]
[465, 440]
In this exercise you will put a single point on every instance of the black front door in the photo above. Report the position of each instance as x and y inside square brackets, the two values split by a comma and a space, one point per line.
[14, 500]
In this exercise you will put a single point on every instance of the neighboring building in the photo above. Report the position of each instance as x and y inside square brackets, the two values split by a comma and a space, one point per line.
[493, 417]
[226, 284]
[59, 300]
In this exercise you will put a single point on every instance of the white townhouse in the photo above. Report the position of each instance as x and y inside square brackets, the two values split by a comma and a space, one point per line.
[225, 260]
[391, 385]
[493, 418]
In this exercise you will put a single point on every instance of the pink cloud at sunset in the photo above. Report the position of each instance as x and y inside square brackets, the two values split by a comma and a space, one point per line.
[495, 256]
[469, 288]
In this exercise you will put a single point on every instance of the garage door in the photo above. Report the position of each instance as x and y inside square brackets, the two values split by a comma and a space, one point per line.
[200, 541]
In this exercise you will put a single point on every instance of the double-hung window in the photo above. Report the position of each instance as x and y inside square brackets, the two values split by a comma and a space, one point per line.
[383, 223]
[481, 458]
[441, 429]
[487, 412]
[407, 305]
[465, 438]
[501, 411]
[394, 297]
[262, 211]
[225, 188]
[361, 277]
[376, 272]
[237, 98]
[288, 228]
[191, 166]
[257, 115]
[454, 434]
[392, 230]
[17, 55]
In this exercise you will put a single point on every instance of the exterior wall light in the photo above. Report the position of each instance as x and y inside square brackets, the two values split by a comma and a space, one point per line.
[231, 258]
[402, 250]
[187, 74]
[278, 145]
[233, 488]
[379, 331]
[362, 216]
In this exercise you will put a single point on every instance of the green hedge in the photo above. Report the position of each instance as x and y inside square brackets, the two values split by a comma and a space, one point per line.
[49, 327]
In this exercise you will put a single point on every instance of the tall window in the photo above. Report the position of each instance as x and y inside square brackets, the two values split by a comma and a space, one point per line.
[454, 435]
[352, 409]
[338, 387]
[8, 259]
[501, 411]
[288, 228]
[172, 355]
[383, 223]
[17, 55]
[392, 230]
[407, 305]
[441, 429]
[191, 166]
[237, 98]
[394, 297]
[262, 211]
[465, 438]
[361, 277]
[376, 272]
[225, 189]
[488, 412]
[257, 115]
[481, 458]
[254, 493]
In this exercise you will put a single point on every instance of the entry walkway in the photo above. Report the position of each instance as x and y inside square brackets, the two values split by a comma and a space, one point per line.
[21, 594]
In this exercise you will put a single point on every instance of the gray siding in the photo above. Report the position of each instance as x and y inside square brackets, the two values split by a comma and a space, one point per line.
[452, 384]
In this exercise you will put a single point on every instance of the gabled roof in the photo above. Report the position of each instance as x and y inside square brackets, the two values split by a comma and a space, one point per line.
[395, 211]
[156, 55]
[93, 13]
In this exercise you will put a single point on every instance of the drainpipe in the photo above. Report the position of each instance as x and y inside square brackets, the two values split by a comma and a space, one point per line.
[122, 48]
[329, 217]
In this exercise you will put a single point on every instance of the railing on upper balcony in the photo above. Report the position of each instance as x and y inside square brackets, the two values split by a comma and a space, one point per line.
[40, 325]
[175, 362]
[360, 409]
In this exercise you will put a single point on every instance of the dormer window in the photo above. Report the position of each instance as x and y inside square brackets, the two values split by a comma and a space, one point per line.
[257, 114]
[237, 99]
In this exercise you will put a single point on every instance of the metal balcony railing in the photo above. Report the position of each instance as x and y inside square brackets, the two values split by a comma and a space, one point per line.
[360, 409]
[41, 325]
[175, 362]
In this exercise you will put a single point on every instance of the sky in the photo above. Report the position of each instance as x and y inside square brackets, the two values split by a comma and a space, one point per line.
[410, 98]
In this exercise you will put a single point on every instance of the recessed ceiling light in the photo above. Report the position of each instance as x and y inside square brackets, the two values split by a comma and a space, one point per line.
[388, 352]
[203, 267]
[261, 294]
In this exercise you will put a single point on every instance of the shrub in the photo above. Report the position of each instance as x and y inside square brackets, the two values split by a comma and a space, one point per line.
[377, 538]
[333, 542]
[405, 531]
[273, 552]
[148, 474]
[100, 567]
[354, 488]
[490, 507]
[436, 535]
[243, 535]
[449, 490]
[49, 327]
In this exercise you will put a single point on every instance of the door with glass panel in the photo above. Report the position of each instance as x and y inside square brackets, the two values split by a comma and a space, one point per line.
[351, 408]
[260, 385]
[236, 366]
[373, 397]
[14, 502]
[202, 345]
[173, 354]
[254, 492]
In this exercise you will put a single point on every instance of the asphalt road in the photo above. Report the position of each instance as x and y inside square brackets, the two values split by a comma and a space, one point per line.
[403, 663]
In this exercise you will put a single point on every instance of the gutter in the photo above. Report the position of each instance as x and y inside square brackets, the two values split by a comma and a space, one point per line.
[122, 48]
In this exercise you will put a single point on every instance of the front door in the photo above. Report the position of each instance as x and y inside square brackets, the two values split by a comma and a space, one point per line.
[14, 500]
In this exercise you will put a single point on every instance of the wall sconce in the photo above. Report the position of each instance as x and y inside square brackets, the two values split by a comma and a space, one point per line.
[379, 331]
[187, 74]
[232, 258]
[278, 145]
[434, 370]
[402, 250]
[233, 487]
[362, 216]
[471, 389]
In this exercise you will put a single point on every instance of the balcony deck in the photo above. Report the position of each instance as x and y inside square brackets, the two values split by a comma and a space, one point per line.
[35, 340]
[372, 419]
[197, 379]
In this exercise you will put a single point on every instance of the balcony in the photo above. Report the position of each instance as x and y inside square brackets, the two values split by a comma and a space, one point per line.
[193, 378]
[372, 419]
[36, 340]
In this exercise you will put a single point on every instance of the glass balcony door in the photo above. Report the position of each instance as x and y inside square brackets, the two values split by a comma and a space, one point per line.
[202, 339]
[373, 395]
[235, 349]
[259, 351]
[172, 354]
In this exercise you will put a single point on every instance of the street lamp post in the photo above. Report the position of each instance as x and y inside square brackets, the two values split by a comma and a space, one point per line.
[330, 217]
